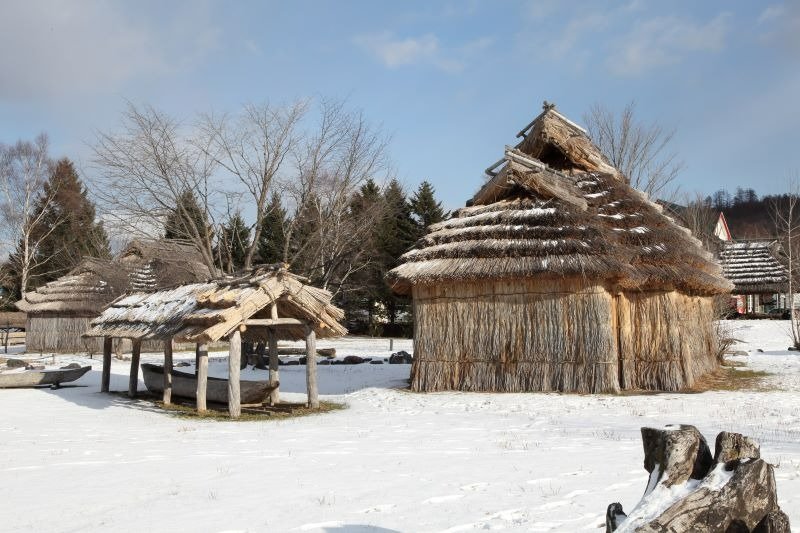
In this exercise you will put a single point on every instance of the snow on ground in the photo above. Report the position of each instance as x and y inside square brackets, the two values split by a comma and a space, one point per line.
[76, 460]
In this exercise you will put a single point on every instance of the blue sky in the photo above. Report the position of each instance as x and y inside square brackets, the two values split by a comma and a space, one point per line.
[452, 82]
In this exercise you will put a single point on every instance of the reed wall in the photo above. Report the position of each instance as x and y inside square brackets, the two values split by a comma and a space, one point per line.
[47, 333]
[667, 340]
[558, 335]
[513, 336]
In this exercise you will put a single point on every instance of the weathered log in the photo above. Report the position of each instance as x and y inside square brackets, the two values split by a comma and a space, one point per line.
[105, 381]
[675, 454]
[311, 368]
[688, 491]
[167, 395]
[133, 380]
[234, 368]
[202, 376]
[261, 360]
[274, 374]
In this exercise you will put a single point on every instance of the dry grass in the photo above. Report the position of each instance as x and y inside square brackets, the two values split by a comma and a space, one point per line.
[219, 412]
[733, 378]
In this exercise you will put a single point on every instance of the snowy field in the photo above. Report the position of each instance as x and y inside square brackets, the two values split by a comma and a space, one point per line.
[77, 460]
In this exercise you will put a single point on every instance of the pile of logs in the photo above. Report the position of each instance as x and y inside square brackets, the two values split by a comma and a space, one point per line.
[689, 490]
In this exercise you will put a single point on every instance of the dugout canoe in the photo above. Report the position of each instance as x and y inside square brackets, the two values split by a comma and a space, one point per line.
[37, 378]
[185, 386]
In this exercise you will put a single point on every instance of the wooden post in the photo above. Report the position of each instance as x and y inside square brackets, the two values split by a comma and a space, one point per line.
[196, 359]
[105, 381]
[202, 376]
[234, 370]
[274, 362]
[167, 398]
[133, 382]
[311, 368]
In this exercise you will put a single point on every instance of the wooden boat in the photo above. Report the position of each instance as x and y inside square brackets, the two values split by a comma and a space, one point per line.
[185, 385]
[35, 378]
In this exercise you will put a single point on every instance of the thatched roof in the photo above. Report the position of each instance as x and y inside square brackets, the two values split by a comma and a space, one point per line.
[142, 265]
[207, 312]
[754, 266]
[558, 208]
[83, 291]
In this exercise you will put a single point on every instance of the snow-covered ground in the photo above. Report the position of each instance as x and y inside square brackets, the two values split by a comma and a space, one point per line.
[76, 460]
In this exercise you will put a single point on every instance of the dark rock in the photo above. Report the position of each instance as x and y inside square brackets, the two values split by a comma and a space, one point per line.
[182, 364]
[337, 362]
[774, 522]
[735, 447]
[292, 363]
[36, 367]
[760, 350]
[302, 360]
[376, 362]
[614, 516]
[680, 454]
[16, 363]
[400, 358]
[71, 365]
[353, 360]
[324, 362]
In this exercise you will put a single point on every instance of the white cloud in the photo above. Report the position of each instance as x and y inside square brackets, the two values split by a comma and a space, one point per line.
[61, 48]
[666, 40]
[395, 52]
[781, 24]
[771, 13]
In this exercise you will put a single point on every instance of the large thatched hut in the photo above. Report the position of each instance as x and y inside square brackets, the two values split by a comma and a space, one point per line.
[60, 311]
[558, 276]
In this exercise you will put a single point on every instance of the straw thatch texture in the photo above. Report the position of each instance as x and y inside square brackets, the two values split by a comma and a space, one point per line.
[513, 336]
[602, 283]
[666, 340]
[754, 266]
[208, 312]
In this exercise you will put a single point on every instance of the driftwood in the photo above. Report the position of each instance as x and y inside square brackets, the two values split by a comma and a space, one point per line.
[689, 490]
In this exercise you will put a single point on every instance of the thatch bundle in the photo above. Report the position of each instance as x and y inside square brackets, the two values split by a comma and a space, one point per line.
[207, 312]
[755, 266]
[559, 276]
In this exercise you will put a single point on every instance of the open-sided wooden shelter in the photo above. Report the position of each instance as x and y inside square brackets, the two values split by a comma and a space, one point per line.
[558, 276]
[61, 311]
[268, 304]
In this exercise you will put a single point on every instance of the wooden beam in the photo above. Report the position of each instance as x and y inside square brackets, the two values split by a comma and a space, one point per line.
[202, 376]
[274, 322]
[105, 381]
[234, 360]
[311, 368]
[274, 362]
[167, 398]
[133, 381]
[273, 311]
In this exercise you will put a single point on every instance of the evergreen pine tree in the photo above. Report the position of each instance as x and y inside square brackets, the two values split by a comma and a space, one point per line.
[273, 237]
[187, 218]
[67, 231]
[233, 242]
[396, 233]
[425, 209]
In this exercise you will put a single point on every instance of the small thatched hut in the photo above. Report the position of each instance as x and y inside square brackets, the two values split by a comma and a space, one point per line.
[268, 304]
[757, 269]
[60, 311]
[558, 276]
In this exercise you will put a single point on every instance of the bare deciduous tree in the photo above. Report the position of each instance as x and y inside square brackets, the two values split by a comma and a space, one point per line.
[253, 148]
[24, 169]
[326, 234]
[786, 215]
[145, 168]
[641, 152]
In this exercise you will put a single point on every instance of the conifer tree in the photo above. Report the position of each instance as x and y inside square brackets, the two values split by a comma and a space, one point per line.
[396, 233]
[272, 241]
[233, 242]
[66, 231]
[425, 209]
[187, 220]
